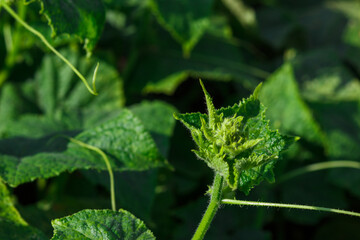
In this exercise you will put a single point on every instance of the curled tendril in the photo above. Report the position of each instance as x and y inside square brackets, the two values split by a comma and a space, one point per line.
[94, 78]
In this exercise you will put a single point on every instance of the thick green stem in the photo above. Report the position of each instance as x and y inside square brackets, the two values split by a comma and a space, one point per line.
[293, 206]
[215, 202]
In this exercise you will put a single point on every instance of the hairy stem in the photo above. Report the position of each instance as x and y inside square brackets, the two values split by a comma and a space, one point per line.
[319, 166]
[107, 162]
[293, 206]
[215, 202]
[43, 39]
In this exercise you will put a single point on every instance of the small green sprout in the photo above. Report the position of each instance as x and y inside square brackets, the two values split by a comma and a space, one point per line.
[236, 141]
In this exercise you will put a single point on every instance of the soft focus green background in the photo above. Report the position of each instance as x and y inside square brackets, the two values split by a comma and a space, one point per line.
[151, 55]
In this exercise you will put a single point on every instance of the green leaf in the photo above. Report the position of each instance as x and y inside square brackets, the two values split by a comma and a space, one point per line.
[236, 142]
[10, 107]
[328, 80]
[100, 224]
[82, 18]
[12, 225]
[186, 20]
[286, 108]
[162, 69]
[60, 92]
[56, 101]
[351, 34]
[124, 139]
[157, 118]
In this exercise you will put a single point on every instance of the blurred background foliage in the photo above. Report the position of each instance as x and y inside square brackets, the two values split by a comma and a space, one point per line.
[151, 54]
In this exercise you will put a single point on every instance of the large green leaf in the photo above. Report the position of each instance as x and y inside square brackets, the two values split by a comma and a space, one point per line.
[124, 139]
[12, 225]
[186, 20]
[101, 224]
[286, 108]
[84, 19]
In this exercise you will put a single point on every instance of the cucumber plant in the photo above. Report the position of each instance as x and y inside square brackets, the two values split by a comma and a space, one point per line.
[238, 144]
[50, 124]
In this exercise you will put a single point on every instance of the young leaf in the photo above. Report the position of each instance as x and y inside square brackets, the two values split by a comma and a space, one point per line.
[236, 142]
[84, 19]
[12, 225]
[101, 224]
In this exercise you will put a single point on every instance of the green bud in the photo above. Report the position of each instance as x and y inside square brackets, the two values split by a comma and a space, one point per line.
[236, 141]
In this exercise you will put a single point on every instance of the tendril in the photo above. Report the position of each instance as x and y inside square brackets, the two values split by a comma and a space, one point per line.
[47, 44]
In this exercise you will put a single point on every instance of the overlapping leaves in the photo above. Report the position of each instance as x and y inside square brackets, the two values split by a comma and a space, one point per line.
[236, 141]
[124, 139]
[34, 144]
